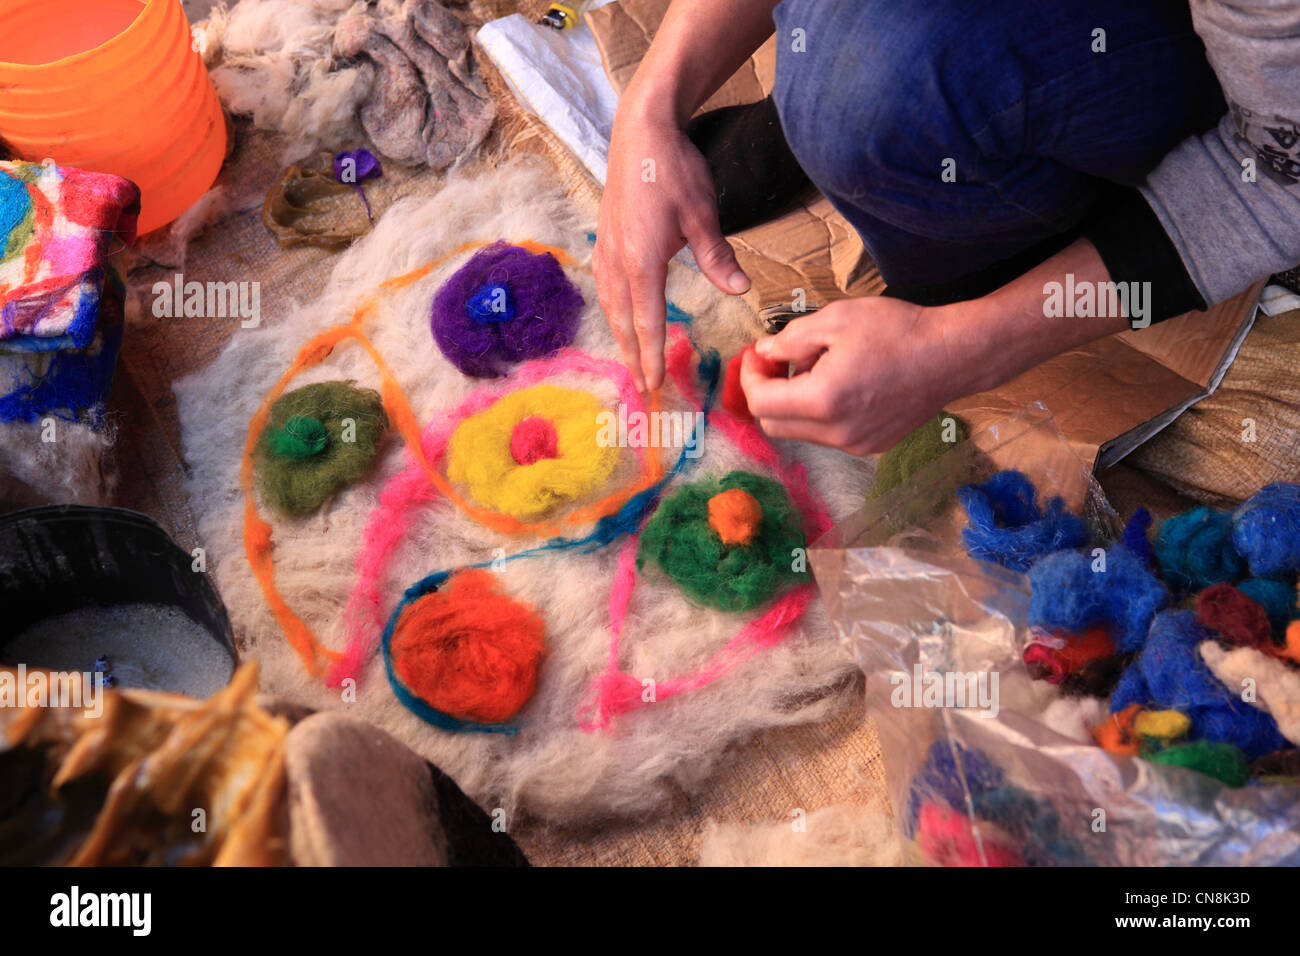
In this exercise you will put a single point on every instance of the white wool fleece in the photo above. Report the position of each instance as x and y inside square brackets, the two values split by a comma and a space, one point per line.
[552, 769]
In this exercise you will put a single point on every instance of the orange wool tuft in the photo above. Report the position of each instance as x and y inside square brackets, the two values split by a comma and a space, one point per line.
[1093, 645]
[735, 515]
[469, 650]
[1115, 734]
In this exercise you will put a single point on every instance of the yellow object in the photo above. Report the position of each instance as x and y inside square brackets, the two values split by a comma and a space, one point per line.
[112, 86]
[562, 16]
[479, 456]
[1162, 724]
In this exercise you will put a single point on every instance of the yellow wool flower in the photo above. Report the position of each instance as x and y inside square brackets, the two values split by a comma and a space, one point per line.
[531, 451]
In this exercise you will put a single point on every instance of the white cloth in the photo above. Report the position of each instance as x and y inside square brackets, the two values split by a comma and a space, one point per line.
[558, 76]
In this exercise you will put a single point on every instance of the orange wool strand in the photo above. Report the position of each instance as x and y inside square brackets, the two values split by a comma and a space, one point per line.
[469, 650]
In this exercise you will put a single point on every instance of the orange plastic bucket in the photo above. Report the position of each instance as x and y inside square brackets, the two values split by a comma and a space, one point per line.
[112, 86]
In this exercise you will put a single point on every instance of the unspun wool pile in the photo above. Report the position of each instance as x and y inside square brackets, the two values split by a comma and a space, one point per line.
[551, 768]
[325, 72]
[844, 834]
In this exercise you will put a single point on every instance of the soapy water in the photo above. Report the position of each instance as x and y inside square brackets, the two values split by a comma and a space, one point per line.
[147, 646]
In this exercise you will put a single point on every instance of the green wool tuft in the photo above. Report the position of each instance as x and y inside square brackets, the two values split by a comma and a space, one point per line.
[1223, 762]
[301, 437]
[320, 439]
[916, 451]
[679, 539]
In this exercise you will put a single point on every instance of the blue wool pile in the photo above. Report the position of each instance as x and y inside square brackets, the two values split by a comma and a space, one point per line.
[1170, 675]
[1135, 536]
[1278, 598]
[949, 772]
[1034, 823]
[1068, 595]
[1195, 550]
[1009, 528]
[1266, 530]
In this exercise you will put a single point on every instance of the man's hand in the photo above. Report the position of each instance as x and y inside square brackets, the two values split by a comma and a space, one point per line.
[876, 368]
[658, 191]
[871, 370]
[658, 196]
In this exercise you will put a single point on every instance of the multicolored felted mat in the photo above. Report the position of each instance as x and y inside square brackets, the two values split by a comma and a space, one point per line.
[433, 498]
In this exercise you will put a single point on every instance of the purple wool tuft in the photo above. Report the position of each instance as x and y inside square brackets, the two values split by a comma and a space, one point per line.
[546, 307]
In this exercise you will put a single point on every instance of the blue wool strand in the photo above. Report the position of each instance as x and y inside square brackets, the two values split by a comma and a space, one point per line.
[1195, 550]
[1170, 675]
[1135, 536]
[483, 304]
[608, 529]
[1067, 594]
[1266, 530]
[1007, 526]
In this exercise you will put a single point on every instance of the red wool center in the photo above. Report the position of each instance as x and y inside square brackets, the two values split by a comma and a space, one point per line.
[532, 440]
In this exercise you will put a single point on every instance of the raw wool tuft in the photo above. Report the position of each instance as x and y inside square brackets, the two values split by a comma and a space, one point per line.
[1071, 592]
[1266, 530]
[77, 468]
[1074, 717]
[917, 451]
[1237, 618]
[1169, 674]
[1277, 685]
[551, 768]
[1008, 527]
[844, 834]
[328, 72]
[1224, 762]
[1278, 598]
[1195, 550]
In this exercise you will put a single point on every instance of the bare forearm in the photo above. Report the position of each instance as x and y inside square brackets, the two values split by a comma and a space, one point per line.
[698, 46]
[993, 339]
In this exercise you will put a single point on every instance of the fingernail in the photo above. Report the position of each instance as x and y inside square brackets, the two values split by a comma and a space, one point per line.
[738, 282]
[763, 346]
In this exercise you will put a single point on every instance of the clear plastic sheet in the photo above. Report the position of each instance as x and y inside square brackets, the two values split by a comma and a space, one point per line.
[1007, 787]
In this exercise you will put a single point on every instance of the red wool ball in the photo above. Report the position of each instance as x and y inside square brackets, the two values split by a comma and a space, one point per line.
[1237, 618]
[469, 650]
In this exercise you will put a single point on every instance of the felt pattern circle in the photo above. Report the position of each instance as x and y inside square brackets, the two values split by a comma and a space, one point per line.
[682, 540]
[538, 312]
[301, 464]
[481, 451]
[468, 650]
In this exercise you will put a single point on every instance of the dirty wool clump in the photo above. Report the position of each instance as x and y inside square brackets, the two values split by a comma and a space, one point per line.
[323, 72]
[551, 768]
[320, 439]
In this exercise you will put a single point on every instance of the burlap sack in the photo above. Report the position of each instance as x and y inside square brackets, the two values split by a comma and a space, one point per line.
[1245, 435]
